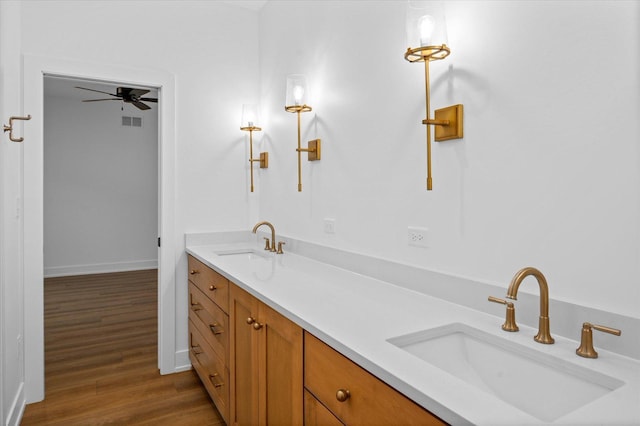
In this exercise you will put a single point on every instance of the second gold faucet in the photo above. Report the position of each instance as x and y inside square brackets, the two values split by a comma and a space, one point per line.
[544, 334]
[270, 245]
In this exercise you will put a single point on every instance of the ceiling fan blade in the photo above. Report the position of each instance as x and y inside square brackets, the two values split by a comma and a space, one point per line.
[149, 99]
[140, 105]
[93, 90]
[138, 92]
[96, 100]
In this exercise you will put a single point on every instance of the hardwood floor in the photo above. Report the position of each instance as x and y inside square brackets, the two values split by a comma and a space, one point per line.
[101, 358]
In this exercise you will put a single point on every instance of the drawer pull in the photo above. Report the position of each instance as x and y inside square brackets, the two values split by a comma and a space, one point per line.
[257, 325]
[213, 329]
[212, 287]
[194, 272]
[215, 383]
[250, 320]
[196, 349]
[196, 307]
[342, 395]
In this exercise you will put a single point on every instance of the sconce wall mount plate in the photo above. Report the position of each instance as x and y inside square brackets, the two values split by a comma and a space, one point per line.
[448, 123]
[313, 150]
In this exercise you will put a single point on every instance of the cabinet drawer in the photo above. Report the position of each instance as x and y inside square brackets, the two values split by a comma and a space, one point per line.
[214, 285]
[211, 369]
[316, 414]
[370, 401]
[210, 320]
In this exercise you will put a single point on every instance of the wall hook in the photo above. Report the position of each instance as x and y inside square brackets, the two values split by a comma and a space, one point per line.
[9, 128]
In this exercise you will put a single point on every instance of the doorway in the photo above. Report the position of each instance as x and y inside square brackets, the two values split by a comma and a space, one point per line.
[100, 177]
[35, 68]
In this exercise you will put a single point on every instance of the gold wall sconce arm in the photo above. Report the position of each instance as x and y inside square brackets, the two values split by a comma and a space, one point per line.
[426, 30]
[296, 100]
[9, 128]
[313, 149]
[448, 121]
[251, 116]
[263, 160]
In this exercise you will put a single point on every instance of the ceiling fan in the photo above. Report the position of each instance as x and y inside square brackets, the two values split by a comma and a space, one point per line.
[125, 94]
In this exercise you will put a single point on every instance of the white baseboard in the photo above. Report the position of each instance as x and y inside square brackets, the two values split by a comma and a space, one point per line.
[99, 268]
[183, 363]
[16, 411]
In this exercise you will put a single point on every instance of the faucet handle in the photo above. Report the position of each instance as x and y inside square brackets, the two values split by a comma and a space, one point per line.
[586, 349]
[510, 320]
[267, 244]
[280, 244]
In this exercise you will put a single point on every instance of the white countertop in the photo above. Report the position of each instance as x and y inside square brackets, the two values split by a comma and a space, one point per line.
[356, 315]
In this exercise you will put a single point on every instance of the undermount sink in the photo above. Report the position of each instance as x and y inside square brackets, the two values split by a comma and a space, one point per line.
[541, 385]
[248, 253]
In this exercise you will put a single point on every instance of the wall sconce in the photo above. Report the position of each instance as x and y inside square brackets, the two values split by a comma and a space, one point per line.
[426, 28]
[296, 101]
[250, 118]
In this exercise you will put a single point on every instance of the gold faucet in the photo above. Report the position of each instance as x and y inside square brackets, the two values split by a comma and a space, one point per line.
[510, 320]
[586, 341]
[268, 246]
[544, 335]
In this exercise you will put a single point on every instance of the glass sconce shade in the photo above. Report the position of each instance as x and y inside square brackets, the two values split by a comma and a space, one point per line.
[297, 90]
[250, 116]
[426, 24]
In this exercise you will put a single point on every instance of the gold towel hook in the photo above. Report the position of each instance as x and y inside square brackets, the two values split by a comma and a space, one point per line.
[9, 128]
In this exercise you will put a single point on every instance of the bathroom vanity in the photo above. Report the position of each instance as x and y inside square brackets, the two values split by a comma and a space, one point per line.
[283, 338]
[255, 362]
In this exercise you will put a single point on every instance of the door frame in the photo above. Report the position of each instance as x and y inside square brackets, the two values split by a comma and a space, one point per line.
[35, 68]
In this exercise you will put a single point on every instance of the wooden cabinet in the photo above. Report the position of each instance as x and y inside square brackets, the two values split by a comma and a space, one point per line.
[265, 364]
[316, 414]
[351, 394]
[209, 331]
[214, 285]
[262, 369]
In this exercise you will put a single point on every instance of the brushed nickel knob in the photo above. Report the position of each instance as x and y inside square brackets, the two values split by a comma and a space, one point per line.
[342, 395]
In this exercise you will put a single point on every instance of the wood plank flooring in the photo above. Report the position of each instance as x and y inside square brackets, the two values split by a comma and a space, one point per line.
[101, 363]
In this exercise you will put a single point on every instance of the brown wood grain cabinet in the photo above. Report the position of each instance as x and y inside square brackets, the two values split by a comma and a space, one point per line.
[266, 364]
[209, 331]
[353, 395]
[262, 369]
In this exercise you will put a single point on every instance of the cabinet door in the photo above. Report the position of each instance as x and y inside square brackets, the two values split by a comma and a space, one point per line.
[369, 401]
[316, 414]
[243, 357]
[280, 370]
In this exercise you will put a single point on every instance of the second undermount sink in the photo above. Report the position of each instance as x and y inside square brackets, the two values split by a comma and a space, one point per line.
[541, 385]
[246, 253]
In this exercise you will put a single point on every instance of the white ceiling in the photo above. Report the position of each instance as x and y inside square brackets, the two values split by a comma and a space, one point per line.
[66, 87]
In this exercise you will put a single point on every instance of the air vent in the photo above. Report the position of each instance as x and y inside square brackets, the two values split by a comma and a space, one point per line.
[131, 121]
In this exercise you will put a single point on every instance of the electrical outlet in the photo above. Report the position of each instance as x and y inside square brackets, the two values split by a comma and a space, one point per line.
[329, 225]
[417, 236]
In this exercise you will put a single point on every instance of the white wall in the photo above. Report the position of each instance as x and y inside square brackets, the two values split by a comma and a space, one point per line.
[100, 187]
[11, 220]
[210, 50]
[547, 175]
